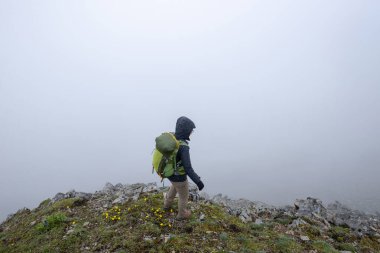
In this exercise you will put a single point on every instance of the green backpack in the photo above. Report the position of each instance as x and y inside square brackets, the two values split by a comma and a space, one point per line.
[164, 156]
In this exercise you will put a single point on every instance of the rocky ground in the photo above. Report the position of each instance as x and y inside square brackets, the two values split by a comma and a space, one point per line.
[129, 218]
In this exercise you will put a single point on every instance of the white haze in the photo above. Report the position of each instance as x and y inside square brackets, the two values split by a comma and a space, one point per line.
[285, 96]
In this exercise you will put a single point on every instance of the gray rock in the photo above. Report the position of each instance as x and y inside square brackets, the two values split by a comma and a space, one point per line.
[204, 196]
[120, 200]
[72, 194]
[167, 238]
[202, 217]
[58, 197]
[245, 209]
[193, 193]
[125, 193]
[304, 238]
[359, 222]
[148, 238]
[151, 187]
[309, 206]
[108, 188]
[297, 222]
[118, 186]
[245, 216]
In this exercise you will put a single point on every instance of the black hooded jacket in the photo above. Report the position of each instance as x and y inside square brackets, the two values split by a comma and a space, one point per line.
[183, 129]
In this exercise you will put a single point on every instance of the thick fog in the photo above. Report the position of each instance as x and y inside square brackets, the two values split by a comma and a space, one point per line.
[285, 96]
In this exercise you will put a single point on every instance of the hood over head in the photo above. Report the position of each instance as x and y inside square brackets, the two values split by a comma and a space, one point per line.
[183, 128]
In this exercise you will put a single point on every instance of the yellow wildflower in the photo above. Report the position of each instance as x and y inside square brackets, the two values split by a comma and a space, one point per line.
[161, 224]
[74, 222]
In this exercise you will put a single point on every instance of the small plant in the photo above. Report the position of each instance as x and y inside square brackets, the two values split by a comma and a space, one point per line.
[242, 239]
[311, 231]
[52, 221]
[223, 236]
[284, 220]
[340, 234]
[114, 214]
[157, 216]
[286, 244]
[257, 227]
[346, 247]
[324, 247]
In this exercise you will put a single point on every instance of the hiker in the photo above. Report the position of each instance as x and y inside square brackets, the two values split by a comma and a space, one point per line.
[180, 184]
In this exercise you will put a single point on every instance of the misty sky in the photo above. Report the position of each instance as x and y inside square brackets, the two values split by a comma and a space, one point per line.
[285, 96]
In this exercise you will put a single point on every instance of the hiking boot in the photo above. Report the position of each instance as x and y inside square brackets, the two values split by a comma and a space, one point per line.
[185, 216]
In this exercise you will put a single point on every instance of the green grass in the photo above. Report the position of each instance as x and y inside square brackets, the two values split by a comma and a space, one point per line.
[285, 244]
[340, 234]
[323, 247]
[346, 246]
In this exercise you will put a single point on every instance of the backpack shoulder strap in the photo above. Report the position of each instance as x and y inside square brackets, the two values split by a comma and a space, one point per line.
[183, 143]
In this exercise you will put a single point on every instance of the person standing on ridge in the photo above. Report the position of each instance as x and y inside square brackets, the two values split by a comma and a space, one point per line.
[180, 184]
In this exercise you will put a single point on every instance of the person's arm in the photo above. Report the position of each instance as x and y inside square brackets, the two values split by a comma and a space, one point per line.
[186, 162]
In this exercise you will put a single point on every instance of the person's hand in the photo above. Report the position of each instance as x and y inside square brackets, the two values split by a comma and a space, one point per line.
[200, 185]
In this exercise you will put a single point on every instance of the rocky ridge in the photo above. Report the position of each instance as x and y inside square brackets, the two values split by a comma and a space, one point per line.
[313, 208]
[308, 224]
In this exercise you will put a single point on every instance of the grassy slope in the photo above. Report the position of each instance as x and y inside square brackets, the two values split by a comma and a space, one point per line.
[71, 225]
